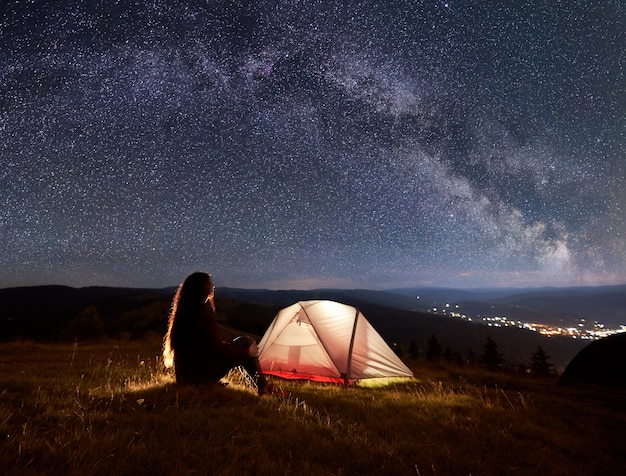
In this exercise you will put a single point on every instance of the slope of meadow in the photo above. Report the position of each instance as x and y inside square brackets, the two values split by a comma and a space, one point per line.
[110, 408]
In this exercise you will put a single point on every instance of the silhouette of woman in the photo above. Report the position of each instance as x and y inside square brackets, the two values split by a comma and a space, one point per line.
[192, 343]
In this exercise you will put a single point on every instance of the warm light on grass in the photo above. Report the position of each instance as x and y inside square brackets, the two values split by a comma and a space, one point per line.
[383, 382]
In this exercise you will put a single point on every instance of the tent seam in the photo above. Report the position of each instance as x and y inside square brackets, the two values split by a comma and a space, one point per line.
[349, 366]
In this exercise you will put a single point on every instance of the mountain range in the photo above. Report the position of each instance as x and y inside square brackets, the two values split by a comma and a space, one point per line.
[552, 306]
[409, 316]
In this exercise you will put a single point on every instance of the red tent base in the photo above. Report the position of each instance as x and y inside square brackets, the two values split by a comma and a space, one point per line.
[292, 375]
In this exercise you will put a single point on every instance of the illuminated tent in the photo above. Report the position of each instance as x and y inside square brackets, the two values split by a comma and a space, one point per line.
[326, 341]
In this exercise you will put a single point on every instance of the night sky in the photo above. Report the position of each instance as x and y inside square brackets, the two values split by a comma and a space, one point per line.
[305, 144]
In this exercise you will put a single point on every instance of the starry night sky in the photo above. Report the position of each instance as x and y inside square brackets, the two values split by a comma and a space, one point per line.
[304, 144]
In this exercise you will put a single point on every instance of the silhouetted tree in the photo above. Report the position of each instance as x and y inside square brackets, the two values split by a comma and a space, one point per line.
[86, 325]
[540, 363]
[433, 348]
[413, 352]
[491, 357]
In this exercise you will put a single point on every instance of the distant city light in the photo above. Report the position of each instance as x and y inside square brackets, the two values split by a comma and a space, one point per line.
[581, 330]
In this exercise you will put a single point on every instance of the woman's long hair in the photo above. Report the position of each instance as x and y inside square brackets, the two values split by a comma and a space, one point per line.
[191, 294]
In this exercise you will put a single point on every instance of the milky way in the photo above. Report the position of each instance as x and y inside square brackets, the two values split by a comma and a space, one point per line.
[303, 144]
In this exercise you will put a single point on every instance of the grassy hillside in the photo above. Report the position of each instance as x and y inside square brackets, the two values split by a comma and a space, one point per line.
[110, 408]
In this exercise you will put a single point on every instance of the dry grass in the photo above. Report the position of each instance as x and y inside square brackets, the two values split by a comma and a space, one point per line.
[110, 408]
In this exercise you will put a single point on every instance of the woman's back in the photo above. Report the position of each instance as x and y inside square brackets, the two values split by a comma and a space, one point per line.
[193, 342]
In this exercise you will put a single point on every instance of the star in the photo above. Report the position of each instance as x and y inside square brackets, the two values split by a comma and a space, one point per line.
[312, 144]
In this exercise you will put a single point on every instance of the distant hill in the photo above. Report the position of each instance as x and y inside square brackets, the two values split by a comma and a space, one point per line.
[43, 312]
[391, 315]
[54, 312]
[556, 306]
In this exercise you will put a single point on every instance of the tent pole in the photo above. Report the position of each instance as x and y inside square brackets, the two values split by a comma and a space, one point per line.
[348, 370]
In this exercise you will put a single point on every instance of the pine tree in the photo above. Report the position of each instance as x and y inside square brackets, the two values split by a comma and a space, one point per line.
[433, 348]
[491, 357]
[540, 363]
[86, 325]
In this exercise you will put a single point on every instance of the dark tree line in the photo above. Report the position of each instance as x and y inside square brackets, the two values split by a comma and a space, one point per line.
[491, 357]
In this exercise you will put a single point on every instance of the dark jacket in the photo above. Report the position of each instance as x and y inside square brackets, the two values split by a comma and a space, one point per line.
[200, 355]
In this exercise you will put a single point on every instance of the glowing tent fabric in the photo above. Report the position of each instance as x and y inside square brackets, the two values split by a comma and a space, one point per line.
[329, 342]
